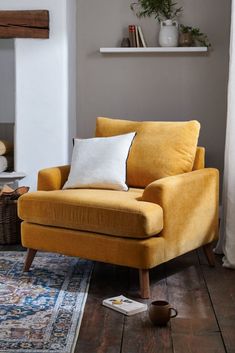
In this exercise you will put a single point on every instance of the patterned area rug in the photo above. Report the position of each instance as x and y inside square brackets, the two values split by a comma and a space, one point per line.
[41, 311]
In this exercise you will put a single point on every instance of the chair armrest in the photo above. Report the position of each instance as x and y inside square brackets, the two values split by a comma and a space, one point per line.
[190, 208]
[53, 178]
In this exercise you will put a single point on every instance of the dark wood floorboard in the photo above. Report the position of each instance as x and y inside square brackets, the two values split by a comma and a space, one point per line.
[185, 282]
[188, 294]
[221, 288]
[102, 329]
[211, 343]
[195, 329]
[140, 336]
[203, 296]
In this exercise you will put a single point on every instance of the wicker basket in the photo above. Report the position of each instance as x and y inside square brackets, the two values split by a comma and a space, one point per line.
[9, 222]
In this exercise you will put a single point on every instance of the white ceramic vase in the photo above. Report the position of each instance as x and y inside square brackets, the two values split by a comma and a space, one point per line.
[169, 34]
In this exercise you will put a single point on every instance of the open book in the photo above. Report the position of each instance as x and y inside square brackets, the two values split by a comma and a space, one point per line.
[124, 305]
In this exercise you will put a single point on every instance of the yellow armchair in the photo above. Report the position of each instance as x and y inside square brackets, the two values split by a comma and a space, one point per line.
[141, 228]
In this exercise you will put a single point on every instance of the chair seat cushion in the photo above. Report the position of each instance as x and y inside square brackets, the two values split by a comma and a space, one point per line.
[115, 213]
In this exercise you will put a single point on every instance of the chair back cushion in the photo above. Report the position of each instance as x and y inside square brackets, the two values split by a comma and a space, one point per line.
[160, 149]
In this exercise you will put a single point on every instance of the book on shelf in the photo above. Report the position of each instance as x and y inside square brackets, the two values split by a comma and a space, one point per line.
[124, 305]
[136, 36]
[132, 35]
[141, 35]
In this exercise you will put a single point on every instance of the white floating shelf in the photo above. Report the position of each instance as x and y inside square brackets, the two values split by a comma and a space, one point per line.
[154, 50]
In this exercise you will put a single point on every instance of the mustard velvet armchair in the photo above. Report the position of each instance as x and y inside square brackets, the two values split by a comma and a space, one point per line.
[170, 208]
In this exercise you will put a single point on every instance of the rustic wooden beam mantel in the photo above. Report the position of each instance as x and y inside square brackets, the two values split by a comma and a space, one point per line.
[24, 24]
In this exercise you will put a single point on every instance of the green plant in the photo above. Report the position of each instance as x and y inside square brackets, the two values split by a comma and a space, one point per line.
[161, 9]
[196, 34]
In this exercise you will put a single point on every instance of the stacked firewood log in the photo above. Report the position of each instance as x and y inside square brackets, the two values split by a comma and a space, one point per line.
[7, 193]
[6, 156]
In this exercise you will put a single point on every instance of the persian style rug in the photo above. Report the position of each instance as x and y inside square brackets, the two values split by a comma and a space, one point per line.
[41, 311]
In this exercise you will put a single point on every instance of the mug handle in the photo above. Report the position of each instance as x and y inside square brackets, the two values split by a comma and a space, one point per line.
[175, 314]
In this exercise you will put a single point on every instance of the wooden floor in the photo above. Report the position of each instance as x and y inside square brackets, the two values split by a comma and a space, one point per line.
[203, 296]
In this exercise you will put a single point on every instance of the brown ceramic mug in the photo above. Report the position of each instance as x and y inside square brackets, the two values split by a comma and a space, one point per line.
[160, 312]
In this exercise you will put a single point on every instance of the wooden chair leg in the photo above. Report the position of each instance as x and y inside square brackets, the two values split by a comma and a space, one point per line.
[144, 284]
[29, 259]
[208, 251]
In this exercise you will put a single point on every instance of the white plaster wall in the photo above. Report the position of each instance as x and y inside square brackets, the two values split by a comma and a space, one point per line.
[7, 81]
[43, 108]
[72, 71]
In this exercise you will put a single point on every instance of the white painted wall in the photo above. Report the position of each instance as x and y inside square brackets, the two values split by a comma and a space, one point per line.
[7, 81]
[72, 73]
[43, 104]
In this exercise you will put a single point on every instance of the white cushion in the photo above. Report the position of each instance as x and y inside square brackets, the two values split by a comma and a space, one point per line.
[100, 162]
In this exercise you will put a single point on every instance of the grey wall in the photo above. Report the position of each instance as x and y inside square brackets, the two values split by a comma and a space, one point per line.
[7, 132]
[7, 81]
[153, 87]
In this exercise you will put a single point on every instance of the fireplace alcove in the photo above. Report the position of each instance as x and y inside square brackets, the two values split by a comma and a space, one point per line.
[39, 113]
[7, 94]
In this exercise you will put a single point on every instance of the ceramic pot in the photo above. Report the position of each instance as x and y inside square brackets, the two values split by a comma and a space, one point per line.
[185, 40]
[168, 35]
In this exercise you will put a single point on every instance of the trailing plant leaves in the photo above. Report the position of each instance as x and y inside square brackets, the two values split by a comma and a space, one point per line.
[197, 35]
